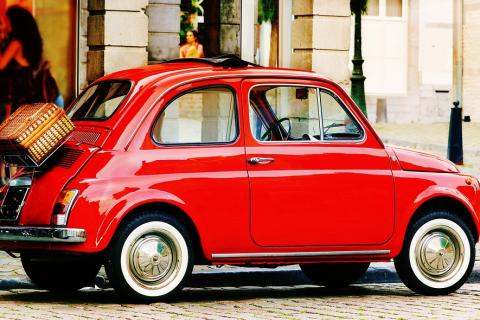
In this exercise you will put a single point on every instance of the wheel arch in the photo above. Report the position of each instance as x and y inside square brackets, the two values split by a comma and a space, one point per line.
[453, 205]
[171, 210]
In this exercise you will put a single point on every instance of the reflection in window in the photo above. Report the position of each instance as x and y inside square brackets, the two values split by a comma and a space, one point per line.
[284, 113]
[337, 123]
[202, 116]
[100, 100]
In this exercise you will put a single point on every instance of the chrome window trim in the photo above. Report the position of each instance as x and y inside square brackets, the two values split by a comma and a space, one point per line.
[317, 89]
[299, 254]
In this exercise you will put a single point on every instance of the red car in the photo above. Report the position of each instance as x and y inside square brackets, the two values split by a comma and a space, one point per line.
[215, 161]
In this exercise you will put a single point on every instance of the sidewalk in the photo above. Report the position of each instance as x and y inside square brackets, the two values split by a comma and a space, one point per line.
[433, 138]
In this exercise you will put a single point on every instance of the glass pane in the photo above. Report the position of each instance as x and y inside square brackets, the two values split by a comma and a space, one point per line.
[203, 116]
[373, 8]
[284, 113]
[394, 8]
[99, 101]
[337, 123]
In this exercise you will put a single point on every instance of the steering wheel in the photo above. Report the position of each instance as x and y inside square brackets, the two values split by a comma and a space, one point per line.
[277, 125]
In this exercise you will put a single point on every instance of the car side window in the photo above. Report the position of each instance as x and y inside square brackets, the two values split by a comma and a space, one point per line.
[338, 124]
[284, 113]
[206, 115]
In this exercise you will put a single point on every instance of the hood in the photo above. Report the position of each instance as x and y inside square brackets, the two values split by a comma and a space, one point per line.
[412, 160]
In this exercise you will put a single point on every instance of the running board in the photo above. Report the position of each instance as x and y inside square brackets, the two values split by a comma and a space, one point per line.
[299, 254]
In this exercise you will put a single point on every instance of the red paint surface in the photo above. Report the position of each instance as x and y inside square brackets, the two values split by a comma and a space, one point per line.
[315, 196]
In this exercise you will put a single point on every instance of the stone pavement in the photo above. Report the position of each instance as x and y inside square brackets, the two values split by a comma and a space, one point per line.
[241, 293]
[368, 301]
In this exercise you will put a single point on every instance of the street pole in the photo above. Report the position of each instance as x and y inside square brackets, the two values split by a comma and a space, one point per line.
[358, 79]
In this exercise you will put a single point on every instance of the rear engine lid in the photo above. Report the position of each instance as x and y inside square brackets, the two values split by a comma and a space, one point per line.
[47, 182]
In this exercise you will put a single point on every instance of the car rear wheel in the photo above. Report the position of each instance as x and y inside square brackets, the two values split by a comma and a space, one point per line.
[335, 274]
[150, 258]
[437, 255]
[61, 273]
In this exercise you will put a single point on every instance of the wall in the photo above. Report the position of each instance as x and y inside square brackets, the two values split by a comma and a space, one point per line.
[117, 36]
[471, 61]
[321, 38]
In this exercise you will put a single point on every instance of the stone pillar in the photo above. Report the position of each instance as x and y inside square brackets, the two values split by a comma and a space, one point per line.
[230, 16]
[117, 36]
[83, 48]
[321, 38]
[163, 30]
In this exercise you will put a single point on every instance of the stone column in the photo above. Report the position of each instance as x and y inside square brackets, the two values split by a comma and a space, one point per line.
[83, 48]
[163, 30]
[117, 36]
[321, 38]
[230, 12]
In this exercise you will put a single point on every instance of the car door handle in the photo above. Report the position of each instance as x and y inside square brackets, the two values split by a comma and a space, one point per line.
[257, 160]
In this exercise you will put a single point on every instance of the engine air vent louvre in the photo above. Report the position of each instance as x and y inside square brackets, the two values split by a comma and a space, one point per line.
[68, 156]
[85, 136]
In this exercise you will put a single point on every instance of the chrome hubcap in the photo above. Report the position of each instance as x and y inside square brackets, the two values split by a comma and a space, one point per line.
[440, 254]
[152, 258]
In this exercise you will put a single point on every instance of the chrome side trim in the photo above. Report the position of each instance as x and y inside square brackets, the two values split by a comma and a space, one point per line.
[299, 254]
[41, 234]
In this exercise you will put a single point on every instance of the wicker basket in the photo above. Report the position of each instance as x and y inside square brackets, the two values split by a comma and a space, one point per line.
[30, 135]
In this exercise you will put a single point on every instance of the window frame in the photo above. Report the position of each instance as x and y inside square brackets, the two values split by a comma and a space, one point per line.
[130, 90]
[188, 91]
[322, 140]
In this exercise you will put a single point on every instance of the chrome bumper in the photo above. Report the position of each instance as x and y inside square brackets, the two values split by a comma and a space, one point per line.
[41, 234]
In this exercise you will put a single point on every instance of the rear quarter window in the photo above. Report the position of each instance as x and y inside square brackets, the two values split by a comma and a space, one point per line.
[100, 101]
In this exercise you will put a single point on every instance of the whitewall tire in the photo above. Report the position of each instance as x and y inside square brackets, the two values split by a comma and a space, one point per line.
[437, 255]
[151, 257]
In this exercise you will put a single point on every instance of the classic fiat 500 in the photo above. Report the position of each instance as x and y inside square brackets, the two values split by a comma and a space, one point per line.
[216, 161]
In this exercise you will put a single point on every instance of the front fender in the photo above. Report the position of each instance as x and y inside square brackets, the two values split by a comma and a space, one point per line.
[437, 192]
[407, 207]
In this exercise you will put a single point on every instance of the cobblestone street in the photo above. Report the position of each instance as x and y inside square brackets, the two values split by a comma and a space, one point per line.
[388, 301]
[225, 295]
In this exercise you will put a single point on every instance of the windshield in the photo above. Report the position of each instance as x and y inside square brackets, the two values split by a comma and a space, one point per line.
[99, 101]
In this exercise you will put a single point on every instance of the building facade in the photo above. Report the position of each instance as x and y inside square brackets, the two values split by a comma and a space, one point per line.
[408, 45]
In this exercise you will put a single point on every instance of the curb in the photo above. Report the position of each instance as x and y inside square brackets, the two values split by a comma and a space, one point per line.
[255, 277]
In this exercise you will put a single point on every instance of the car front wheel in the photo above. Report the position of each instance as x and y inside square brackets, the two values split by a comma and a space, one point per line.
[437, 255]
[150, 258]
[335, 275]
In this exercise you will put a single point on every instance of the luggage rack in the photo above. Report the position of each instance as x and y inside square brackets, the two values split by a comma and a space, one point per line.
[24, 160]
[228, 61]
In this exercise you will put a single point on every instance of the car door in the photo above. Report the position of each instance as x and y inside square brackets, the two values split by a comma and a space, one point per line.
[317, 176]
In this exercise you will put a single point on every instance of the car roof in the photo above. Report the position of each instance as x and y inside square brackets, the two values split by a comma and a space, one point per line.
[204, 67]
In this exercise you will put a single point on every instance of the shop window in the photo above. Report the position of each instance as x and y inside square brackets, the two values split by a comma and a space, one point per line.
[394, 8]
[385, 8]
[373, 8]
[266, 33]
